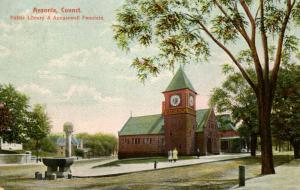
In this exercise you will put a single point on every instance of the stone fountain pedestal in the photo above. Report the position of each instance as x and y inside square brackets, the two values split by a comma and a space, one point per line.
[58, 166]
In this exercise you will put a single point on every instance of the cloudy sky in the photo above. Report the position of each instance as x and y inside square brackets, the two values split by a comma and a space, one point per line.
[76, 69]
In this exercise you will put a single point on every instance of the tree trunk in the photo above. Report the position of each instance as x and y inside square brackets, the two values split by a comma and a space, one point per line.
[264, 111]
[37, 151]
[253, 144]
[296, 146]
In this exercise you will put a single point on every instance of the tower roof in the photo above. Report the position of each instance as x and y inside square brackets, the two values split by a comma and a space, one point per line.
[180, 81]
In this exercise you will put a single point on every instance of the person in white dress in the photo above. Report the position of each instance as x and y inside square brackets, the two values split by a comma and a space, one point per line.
[170, 155]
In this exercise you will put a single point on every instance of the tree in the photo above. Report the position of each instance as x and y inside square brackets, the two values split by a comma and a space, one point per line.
[181, 29]
[39, 125]
[5, 119]
[235, 96]
[46, 145]
[17, 105]
[100, 144]
[286, 109]
[79, 153]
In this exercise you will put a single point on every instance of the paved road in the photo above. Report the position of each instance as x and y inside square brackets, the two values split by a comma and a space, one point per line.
[286, 178]
[88, 170]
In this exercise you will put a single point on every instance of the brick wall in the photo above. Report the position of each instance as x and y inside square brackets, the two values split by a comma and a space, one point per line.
[231, 133]
[141, 145]
[210, 133]
[200, 143]
[179, 133]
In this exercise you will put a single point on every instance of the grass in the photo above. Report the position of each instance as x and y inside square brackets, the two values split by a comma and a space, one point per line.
[216, 175]
[140, 161]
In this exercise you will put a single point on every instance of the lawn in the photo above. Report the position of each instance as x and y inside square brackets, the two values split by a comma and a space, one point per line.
[216, 175]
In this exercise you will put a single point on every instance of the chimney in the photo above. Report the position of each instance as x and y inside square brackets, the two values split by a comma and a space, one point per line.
[163, 107]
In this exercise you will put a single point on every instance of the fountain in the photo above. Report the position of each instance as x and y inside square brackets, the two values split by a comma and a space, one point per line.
[60, 167]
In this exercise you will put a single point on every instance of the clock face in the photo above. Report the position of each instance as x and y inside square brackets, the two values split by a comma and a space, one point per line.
[175, 100]
[191, 101]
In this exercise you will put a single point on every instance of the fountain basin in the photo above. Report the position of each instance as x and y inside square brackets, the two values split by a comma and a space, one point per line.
[58, 166]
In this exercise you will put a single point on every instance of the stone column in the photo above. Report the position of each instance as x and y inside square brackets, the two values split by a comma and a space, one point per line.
[68, 129]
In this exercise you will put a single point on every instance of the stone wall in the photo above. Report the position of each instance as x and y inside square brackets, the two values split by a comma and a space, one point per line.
[15, 158]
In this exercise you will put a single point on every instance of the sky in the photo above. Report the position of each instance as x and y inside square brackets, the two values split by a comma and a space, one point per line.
[76, 69]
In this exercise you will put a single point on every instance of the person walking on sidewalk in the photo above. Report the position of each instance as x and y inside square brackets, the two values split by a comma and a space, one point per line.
[170, 155]
[198, 153]
[175, 155]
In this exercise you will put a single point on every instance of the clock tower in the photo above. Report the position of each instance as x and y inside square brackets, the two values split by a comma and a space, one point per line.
[180, 114]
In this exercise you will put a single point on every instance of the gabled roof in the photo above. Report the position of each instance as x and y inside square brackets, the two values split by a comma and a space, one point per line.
[225, 123]
[153, 124]
[150, 124]
[180, 81]
[202, 117]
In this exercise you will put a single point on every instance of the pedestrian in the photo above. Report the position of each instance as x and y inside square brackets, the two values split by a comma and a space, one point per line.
[170, 155]
[175, 155]
[198, 153]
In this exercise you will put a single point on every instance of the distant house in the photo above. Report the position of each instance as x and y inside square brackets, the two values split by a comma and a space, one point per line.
[10, 146]
[229, 137]
[61, 145]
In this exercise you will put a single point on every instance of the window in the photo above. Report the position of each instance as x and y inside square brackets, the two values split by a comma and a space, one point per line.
[147, 140]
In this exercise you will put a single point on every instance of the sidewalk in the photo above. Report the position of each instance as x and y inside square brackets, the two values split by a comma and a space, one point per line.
[89, 171]
[286, 177]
